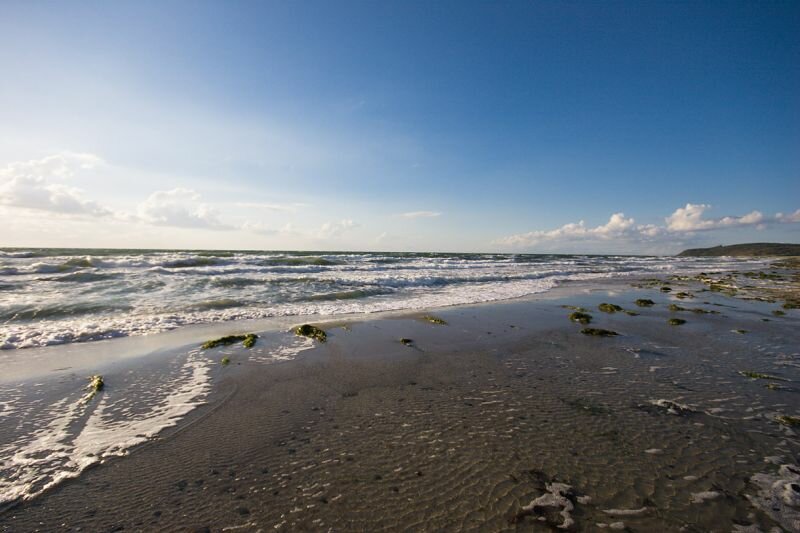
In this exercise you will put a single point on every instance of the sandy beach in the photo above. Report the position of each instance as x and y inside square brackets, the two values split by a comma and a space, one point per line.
[507, 417]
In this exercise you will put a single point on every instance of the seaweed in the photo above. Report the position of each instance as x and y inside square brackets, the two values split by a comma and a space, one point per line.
[96, 384]
[583, 318]
[574, 308]
[758, 375]
[307, 330]
[676, 321]
[683, 295]
[248, 341]
[435, 320]
[644, 302]
[406, 342]
[740, 331]
[786, 420]
[599, 332]
[791, 304]
[666, 289]
[675, 308]
[778, 312]
[225, 360]
[609, 308]
[630, 313]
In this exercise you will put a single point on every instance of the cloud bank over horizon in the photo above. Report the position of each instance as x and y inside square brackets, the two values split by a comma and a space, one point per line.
[687, 220]
[43, 186]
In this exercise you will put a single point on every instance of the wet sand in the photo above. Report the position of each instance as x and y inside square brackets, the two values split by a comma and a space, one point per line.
[506, 418]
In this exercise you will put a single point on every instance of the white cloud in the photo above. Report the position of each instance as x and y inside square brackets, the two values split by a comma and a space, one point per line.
[331, 230]
[690, 218]
[421, 214]
[34, 184]
[616, 226]
[271, 207]
[180, 208]
[791, 217]
[684, 220]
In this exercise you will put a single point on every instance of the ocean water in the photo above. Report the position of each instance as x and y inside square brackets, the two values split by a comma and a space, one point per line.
[50, 296]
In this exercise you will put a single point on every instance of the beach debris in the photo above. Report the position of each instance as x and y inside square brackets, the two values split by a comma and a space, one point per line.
[609, 308]
[225, 360]
[554, 507]
[95, 385]
[578, 316]
[676, 321]
[434, 320]
[248, 341]
[788, 420]
[313, 332]
[626, 512]
[406, 342]
[758, 375]
[704, 496]
[599, 332]
[779, 496]
[644, 302]
[670, 407]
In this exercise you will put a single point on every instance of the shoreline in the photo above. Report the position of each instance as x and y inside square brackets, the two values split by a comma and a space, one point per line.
[517, 343]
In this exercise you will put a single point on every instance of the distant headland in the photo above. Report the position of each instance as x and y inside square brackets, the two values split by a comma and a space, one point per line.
[748, 249]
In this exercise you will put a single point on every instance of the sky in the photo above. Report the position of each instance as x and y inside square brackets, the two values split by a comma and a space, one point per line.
[506, 126]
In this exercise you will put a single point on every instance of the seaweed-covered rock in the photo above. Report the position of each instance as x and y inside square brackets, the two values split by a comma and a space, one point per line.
[225, 361]
[644, 302]
[248, 341]
[307, 330]
[666, 289]
[583, 318]
[434, 320]
[599, 332]
[406, 342]
[676, 321]
[609, 308]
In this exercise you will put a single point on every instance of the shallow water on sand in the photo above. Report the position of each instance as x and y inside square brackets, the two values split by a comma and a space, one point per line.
[507, 418]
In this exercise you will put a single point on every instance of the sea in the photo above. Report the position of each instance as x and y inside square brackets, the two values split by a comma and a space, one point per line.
[59, 296]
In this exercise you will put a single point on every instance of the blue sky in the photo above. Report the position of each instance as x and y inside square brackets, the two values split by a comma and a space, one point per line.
[453, 126]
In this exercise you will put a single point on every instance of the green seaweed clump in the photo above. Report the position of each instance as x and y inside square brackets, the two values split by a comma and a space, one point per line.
[758, 375]
[676, 321]
[791, 305]
[406, 342]
[786, 420]
[609, 308]
[574, 308]
[307, 330]
[225, 360]
[95, 385]
[599, 332]
[644, 302]
[248, 341]
[778, 312]
[683, 295]
[740, 331]
[583, 318]
[675, 308]
[435, 320]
